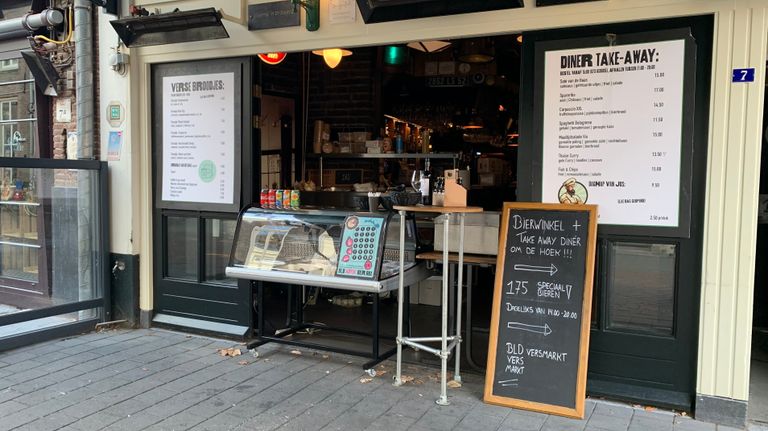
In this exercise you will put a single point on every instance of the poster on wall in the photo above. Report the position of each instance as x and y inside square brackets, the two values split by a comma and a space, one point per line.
[198, 139]
[613, 131]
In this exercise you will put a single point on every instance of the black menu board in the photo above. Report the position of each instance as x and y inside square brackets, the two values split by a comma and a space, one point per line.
[537, 352]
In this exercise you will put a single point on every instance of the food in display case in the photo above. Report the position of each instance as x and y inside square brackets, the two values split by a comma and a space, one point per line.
[308, 241]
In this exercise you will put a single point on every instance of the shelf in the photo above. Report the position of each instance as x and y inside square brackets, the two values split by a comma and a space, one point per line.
[384, 156]
[480, 259]
[20, 203]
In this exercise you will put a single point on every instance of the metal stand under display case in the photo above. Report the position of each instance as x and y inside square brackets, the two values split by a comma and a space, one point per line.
[455, 340]
[303, 248]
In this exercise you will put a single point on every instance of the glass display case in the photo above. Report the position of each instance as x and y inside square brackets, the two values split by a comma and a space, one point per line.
[301, 246]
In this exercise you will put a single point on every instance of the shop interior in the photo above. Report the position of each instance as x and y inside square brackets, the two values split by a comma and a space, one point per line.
[379, 119]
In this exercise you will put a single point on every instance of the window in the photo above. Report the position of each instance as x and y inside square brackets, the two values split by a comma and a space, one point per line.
[9, 141]
[10, 64]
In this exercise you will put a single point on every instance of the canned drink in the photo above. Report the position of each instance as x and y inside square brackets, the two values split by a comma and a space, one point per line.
[264, 198]
[278, 198]
[271, 198]
[295, 199]
[286, 199]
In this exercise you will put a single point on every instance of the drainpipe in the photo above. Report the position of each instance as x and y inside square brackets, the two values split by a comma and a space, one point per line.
[84, 78]
[87, 260]
[20, 27]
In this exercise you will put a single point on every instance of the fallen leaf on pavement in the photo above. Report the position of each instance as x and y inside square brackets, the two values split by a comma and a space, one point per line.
[406, 379]
[230, 352]
[380, 373]
[649, 408]
[453, 384]
[295, 352]
[243, 363]
[366, 380]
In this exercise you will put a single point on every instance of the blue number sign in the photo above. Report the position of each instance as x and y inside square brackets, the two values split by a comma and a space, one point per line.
[744, 75]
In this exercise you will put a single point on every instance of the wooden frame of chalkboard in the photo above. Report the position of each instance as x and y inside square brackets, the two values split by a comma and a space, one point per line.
[542, 378]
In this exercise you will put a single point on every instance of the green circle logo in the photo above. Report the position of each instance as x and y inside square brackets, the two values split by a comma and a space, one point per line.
[207, 171]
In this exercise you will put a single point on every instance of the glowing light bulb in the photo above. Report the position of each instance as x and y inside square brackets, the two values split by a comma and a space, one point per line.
[332, 57]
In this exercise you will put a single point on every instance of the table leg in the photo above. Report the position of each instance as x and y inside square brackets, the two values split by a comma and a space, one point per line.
[443, 400]
[468, 328]
[457, 373]
[400, 294]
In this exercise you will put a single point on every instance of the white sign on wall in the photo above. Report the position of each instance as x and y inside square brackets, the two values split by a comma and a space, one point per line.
[612, 131]
[199, 138]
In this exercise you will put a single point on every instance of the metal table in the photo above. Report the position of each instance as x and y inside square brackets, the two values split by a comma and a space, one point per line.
[418, 342]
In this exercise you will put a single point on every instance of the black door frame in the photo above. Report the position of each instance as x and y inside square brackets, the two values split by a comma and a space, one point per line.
[679, 393]
[198, 305]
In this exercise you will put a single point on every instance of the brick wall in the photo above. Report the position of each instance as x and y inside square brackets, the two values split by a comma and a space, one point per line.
[67, 90]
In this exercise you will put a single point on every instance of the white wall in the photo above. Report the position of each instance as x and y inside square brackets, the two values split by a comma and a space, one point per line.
[123, 194]
[734, 143]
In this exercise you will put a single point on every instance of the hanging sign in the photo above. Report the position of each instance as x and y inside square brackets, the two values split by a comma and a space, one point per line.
[613, 130]
[273, 15]
[199, 138]
[540, 321]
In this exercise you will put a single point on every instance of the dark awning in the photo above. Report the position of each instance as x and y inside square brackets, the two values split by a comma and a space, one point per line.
[397, 10]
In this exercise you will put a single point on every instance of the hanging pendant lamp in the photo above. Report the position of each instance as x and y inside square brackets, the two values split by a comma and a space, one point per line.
[332, 56]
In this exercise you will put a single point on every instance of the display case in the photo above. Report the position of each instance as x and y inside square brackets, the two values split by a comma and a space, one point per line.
[301, 246]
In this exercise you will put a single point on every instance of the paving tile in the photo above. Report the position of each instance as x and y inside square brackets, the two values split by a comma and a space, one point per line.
[687, 424]
[608, 423]
[48, 423]
[520, 420]
[95, 422]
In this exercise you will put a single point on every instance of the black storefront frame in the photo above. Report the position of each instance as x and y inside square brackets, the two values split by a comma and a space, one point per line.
[102, 257]
[186, 303]
[700, 28]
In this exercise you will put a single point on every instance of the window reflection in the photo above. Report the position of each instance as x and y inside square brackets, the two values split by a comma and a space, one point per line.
[641, 287]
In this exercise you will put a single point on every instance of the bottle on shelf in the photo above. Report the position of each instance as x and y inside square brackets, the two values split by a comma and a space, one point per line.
[426, 188]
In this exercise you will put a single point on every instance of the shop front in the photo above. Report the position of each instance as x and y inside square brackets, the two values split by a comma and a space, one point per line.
[673, 167]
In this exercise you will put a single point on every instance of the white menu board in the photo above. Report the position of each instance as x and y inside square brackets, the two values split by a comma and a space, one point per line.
[612, 131]
[199, 138]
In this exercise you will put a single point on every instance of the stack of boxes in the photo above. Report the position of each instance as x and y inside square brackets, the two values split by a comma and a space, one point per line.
[491, 171]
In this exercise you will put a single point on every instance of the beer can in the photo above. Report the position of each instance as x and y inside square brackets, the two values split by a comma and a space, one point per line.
[271, 198]
[295, 199]
[286, 199]
[264, 198]
[278, 198]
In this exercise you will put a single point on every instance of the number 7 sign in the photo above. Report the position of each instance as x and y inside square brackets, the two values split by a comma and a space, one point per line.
[743, 75]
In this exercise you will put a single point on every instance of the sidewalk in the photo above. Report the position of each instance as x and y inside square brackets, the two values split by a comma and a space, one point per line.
[163, 380]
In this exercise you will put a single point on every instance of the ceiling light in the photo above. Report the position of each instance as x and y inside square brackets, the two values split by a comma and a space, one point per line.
[273, 58]
[476, 51]
[430, 46]
[333, 56]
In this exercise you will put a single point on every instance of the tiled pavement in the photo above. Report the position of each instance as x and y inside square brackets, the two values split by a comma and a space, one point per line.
[163, 380]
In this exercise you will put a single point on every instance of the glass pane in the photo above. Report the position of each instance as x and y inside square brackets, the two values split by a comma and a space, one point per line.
[18, 111]
[181, 247]
[49, 237]
[641, 287]
[218, 244]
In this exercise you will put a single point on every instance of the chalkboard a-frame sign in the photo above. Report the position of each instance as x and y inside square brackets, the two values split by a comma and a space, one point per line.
[542, 301]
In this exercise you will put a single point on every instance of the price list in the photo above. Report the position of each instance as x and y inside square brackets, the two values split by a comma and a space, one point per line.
[198, 138]
[612, 130]
[538, 307]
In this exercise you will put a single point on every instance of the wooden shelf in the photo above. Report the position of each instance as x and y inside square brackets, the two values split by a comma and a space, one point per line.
[481, 259]
[437, 209]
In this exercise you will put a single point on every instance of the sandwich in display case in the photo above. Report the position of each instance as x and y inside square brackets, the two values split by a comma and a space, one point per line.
[323, 248]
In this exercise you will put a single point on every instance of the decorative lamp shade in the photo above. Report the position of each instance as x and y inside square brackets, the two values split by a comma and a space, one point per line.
[394, 55]
[430, 46]
[273, 58]
[476, 51]
[332, 56]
